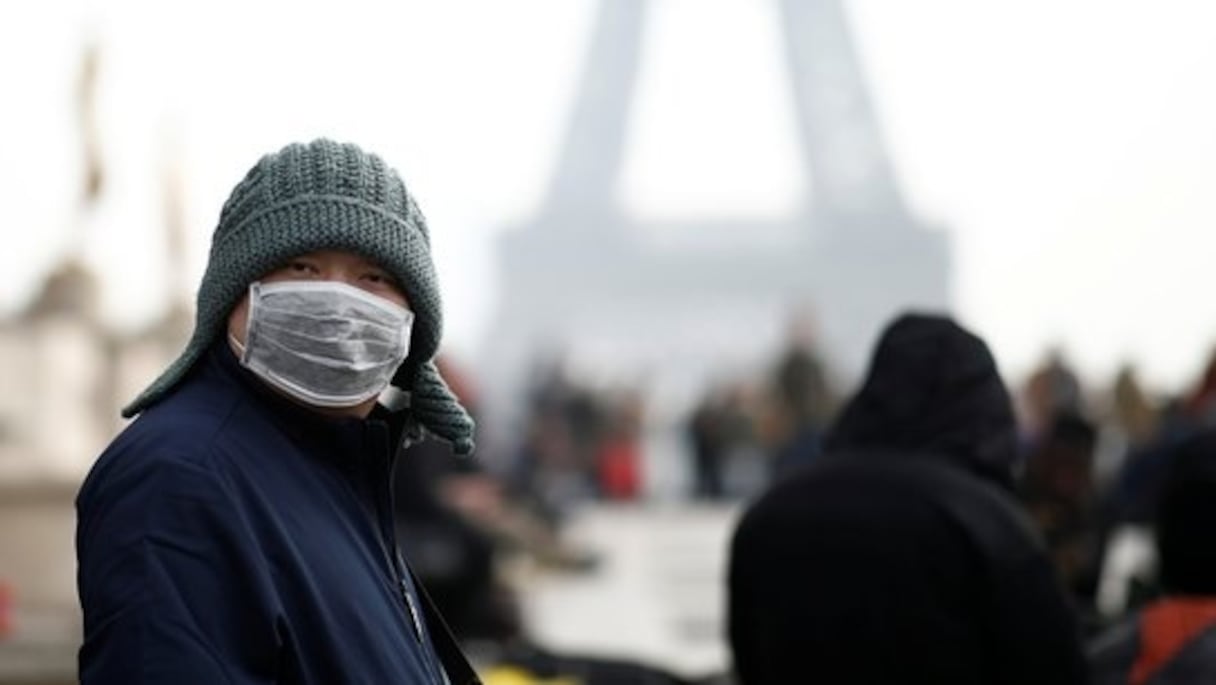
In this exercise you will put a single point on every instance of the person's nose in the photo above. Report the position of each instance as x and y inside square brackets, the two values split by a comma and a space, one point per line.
[341, 275]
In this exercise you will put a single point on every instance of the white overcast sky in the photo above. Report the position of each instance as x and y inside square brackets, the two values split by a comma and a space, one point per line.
[1068, 145]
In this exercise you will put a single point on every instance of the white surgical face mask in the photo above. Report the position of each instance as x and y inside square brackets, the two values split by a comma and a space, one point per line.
[325, 343]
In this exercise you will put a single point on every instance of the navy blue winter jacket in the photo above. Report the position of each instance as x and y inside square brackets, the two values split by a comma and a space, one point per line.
[231, 536]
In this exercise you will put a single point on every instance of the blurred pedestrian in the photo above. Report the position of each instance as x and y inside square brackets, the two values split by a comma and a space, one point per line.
[719, 430]
[1057, 490]
[619, 454]
[900, 556]
[1052, 390]
[1172, 640]
[803, 401]
[1200, 405]
[240, 529]
[1134, 412]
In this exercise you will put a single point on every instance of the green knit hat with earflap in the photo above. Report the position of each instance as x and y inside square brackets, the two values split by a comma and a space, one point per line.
[326, 196]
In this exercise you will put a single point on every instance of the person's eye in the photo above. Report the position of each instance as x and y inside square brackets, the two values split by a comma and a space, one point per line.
[300, 267]
[378, 278]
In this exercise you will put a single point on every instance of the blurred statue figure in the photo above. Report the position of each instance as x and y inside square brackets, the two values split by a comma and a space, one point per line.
[900, 557]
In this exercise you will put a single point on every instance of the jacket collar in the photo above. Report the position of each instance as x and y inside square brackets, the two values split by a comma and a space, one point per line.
[352, 443]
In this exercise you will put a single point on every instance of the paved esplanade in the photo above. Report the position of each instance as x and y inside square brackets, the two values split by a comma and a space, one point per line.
[658, 595]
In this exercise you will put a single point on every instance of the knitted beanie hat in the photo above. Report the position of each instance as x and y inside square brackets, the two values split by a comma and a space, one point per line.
[326, 196]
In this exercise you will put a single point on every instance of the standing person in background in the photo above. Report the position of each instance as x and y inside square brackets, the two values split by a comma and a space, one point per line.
[1134, 412]
[240, 529]
[1200, 405]
[1052, 390]
[1172, 641]
[803, 402]
[618, 456]
[1057, 491]
[446, 511]
[718, 431]
[900, 556]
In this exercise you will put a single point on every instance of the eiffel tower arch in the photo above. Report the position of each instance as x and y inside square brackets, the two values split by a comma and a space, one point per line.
[584, 277]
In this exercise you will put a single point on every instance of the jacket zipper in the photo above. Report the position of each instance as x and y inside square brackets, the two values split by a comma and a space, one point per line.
[388, 545]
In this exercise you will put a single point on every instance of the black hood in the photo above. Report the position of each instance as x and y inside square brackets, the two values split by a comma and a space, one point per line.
[932, 388]
[1186, 517]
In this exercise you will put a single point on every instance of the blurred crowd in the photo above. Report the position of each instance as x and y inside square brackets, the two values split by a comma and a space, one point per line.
[1092, 463]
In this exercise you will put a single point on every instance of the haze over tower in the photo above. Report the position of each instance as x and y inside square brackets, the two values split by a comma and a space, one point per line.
[674, 302]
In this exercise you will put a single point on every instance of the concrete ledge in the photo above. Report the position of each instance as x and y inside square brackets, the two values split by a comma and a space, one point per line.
[37, 663]
[17, 488]
[38, 564]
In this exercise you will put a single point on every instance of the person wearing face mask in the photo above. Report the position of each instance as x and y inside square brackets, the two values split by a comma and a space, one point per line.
[240, 529]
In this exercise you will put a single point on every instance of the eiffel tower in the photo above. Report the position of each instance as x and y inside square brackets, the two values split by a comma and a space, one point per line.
[585, 277]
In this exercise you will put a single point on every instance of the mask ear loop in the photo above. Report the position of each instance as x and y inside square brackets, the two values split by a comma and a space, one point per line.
[240, 349]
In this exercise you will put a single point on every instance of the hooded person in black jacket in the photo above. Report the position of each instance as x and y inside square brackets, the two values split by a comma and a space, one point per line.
[900, 556]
